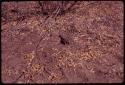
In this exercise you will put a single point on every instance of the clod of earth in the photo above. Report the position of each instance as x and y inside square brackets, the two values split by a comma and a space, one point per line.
[63, 40]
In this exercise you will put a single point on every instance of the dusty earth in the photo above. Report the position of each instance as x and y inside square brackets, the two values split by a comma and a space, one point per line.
[84, 45]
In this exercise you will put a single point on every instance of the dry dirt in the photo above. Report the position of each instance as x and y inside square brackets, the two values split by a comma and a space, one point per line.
[84, 45]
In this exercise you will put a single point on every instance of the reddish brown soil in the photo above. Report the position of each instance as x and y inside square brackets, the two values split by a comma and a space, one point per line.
[84, 45]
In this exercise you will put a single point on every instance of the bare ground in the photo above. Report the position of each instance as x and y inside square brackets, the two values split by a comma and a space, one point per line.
[85, 45]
